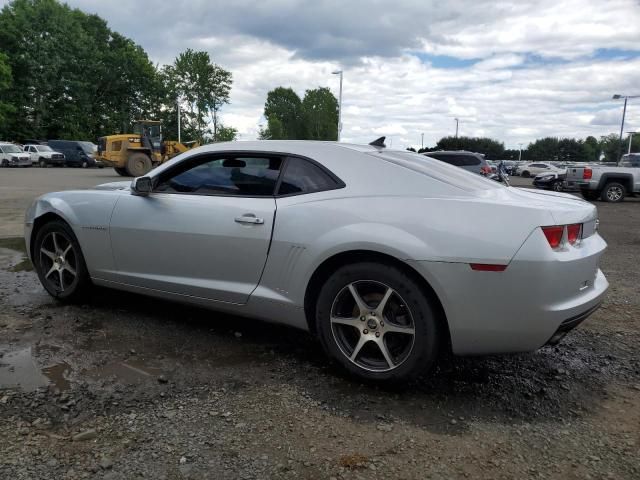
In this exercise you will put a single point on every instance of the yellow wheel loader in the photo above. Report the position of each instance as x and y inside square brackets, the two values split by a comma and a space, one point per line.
[134, 154]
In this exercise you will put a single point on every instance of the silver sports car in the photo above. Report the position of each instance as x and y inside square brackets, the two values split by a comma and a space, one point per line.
[388, 257]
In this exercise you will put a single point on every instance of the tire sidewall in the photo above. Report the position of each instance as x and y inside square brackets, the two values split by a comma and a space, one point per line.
[426, 339]
[82, 278]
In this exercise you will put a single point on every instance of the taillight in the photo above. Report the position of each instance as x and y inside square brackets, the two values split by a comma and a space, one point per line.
[554, 235]
[587, 173]
[573, 233]
[485, 169]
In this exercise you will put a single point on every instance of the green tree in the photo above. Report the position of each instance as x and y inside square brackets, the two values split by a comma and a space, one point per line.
[5, 82]
[491, 148]
[200, 85]
[320, 114]
[226, 134]
[73, 76]
[283, 111]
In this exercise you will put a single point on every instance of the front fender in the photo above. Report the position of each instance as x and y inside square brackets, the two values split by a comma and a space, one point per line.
[88, 213]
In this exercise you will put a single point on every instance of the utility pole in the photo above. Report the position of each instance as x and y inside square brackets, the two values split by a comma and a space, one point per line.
[422, 142]
[456, 127]
[520, 152]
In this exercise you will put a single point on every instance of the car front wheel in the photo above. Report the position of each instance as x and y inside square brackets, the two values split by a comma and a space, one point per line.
[526, 174]
[376, 321]
[59, 262]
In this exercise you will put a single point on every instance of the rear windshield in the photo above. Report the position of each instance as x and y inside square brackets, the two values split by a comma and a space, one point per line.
[438, 170]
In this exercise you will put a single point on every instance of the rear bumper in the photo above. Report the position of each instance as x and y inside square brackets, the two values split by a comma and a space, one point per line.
[569, 324]
[521, 308]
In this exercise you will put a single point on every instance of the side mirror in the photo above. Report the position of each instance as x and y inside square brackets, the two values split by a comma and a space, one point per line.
[142, 186]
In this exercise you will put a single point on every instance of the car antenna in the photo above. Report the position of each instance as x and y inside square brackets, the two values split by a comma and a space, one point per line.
[379, 142]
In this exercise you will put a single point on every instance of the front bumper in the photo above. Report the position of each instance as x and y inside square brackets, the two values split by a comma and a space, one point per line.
[523, 307]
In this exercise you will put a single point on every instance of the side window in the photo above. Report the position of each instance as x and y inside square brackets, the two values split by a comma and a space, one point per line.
[1, 151]
[302, 176]
[237, 175]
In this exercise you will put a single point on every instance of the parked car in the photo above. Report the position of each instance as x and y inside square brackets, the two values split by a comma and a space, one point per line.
[472, 162]
[383, 274]
[44, 155]
[77, 153]
[12, 156]
[609, 183]
[533, 169]
[550, 181]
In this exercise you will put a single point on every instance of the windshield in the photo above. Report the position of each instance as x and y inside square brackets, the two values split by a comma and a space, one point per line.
[88, 147]
[44, 148]
[11, 149]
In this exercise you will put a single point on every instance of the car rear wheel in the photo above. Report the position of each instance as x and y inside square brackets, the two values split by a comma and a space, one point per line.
[556, 187]
[526, 174]
[375, 321]
[138, 164]
[613, 192]
[59, 262]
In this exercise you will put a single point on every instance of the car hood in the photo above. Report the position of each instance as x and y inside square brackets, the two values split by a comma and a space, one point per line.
[19, 155]
[123, 185]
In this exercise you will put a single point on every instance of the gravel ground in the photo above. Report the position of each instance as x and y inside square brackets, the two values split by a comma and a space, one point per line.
[129, 387]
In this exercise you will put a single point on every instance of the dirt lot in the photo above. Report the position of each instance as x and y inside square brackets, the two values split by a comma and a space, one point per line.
[128, 387]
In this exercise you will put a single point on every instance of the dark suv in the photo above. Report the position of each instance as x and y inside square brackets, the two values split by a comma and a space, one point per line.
[474, 162]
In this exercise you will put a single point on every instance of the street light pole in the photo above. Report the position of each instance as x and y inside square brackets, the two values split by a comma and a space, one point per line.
[624, 112]
[339, 72]
[422, 141]
[456, 127]
[520, 152]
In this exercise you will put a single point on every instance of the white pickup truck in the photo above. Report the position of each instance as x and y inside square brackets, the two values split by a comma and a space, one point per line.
[608, 183]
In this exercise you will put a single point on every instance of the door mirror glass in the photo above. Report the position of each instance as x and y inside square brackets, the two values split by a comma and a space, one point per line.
[142, 186]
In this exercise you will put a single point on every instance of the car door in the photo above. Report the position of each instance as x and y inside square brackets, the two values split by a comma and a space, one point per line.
[29, 150]
[204, 231]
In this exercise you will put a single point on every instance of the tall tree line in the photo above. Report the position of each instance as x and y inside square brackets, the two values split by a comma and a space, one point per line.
[65, 74]
[545, 149]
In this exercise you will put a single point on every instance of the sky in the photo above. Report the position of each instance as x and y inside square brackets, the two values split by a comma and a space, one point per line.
[511, 70]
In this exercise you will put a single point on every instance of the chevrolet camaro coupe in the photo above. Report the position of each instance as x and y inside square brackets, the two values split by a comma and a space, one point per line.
[387, 257]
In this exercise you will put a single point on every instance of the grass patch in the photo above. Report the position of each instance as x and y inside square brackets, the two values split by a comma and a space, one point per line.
[14, 243]
[17, 244]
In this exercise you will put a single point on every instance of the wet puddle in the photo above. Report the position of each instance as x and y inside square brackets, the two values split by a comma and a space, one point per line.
[18, 370]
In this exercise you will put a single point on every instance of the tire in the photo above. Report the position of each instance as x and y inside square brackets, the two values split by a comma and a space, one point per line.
[411, 351]
[59, 262]
[526, 174]
[42, 162]
[84, 164]
[556, 186]
[138, 164]
[121, 171]
[5, 163]
[613, 192]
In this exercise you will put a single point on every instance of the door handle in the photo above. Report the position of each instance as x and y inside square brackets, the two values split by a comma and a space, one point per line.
[249, 218]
